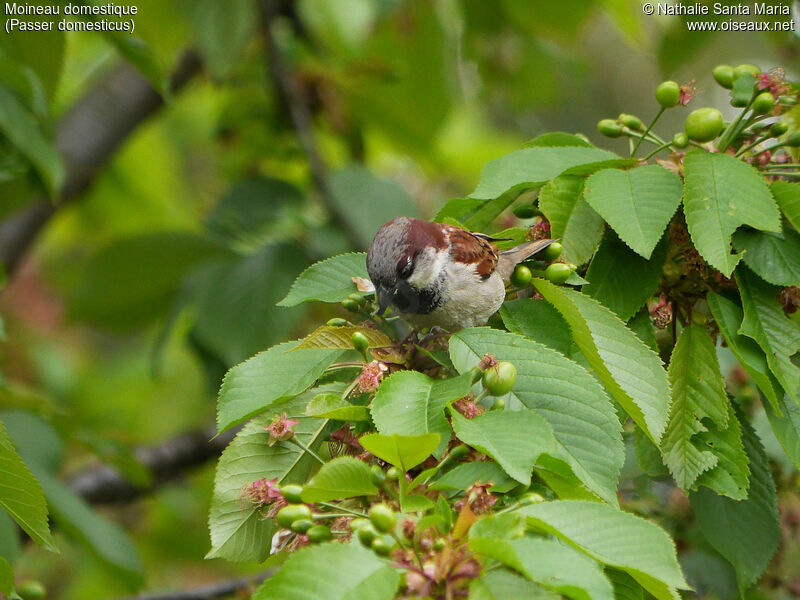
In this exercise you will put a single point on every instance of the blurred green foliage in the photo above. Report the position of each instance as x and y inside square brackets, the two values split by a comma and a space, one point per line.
[166, 271]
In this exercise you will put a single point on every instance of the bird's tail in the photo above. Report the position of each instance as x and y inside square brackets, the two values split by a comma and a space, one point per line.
[513, 256]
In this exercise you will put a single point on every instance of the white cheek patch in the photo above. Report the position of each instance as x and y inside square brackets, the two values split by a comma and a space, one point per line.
[427, 267]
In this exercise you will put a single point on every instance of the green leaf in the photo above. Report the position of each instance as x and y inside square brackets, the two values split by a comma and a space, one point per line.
[730, 475]
[103, 538]
[787, 194]
[331, 572]
[343, 477]
[327, 337]
[330, 280]
[557, 138]
[268, 378]
[248, 215]
[786, 428]
[234, 302]
[465, 475]
[402, 451]
[538, 320]
[747, 532]
[240, 531]
[637, 203]
[765, 322]
[21, 494]
[411, 403]
[9, 536]
[728, 317]
[773, 257]
[611, 348]
[515, 439]
[699, 404]
[6, 578]
[23, 131]
[625, 586]
[354, 191]
[333, 406]
[583, 420]
[571, 218]
[132, 281]
[504, 585]
[530, 167]
[621, 279]
[742, 90]
[642, 325]
[638, 547]
[223, 32]
[549, 563]
[722, 193]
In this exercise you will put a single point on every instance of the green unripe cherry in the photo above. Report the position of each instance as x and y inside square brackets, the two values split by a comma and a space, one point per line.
[382, 518]
[439, 544]
[531, 498]
[609, 128]
[763, 103]
[631, 121]
[500, 378]
[358, 523]
[553, 251]
[377, 476]
[557, 273]
[366, 535]
[357, 298]
[499, 404]
[723, 75]
[291, 493]
[703, 124]
[668, 94]
[31, 589]
[302, 525]
[794, 140]
[336, 322]
[294, 512]
[521, 277]
[383, 545]
[680, 140]
[351, 305]
[359, 341]
[778, 128]
[318, 534]
[526, 211]
[745, 69]
[393, 474]
[458, 452]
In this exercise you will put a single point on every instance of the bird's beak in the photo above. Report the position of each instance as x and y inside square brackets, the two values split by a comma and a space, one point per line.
[384, 298]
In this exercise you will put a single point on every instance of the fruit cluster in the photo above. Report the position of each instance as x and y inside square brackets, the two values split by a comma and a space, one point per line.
[763, 97]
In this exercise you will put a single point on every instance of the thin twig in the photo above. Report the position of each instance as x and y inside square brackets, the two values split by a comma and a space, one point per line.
[297, 105]
[208, 592]
[87, 137]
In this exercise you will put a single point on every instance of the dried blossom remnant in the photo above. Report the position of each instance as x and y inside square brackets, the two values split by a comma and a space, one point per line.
[467, 407]
[371, 376]
[789, 297]
[280, 429]
[775, 82]
[688, 90]
[487, 362]
[479, 498]
[661, 312]
[541, 229]
[262, 491]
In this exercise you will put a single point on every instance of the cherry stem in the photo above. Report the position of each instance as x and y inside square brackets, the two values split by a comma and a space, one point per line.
[646, 131]
[782, 166]
[734, 128]
[783, 174]
[756, 142]
[343, 509]
[305, 448]
[657, 150]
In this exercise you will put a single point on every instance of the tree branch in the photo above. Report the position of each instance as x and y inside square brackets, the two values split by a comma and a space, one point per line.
[166, 462]
[293, 101]
[88, 135]
[209, 592]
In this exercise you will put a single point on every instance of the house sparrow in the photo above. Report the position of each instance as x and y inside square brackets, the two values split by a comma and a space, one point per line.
[441, 275]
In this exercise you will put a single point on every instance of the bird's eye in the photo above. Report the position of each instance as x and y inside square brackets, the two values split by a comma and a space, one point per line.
[407, 267]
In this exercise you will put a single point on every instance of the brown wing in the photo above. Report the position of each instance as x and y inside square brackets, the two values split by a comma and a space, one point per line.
[468, 248]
